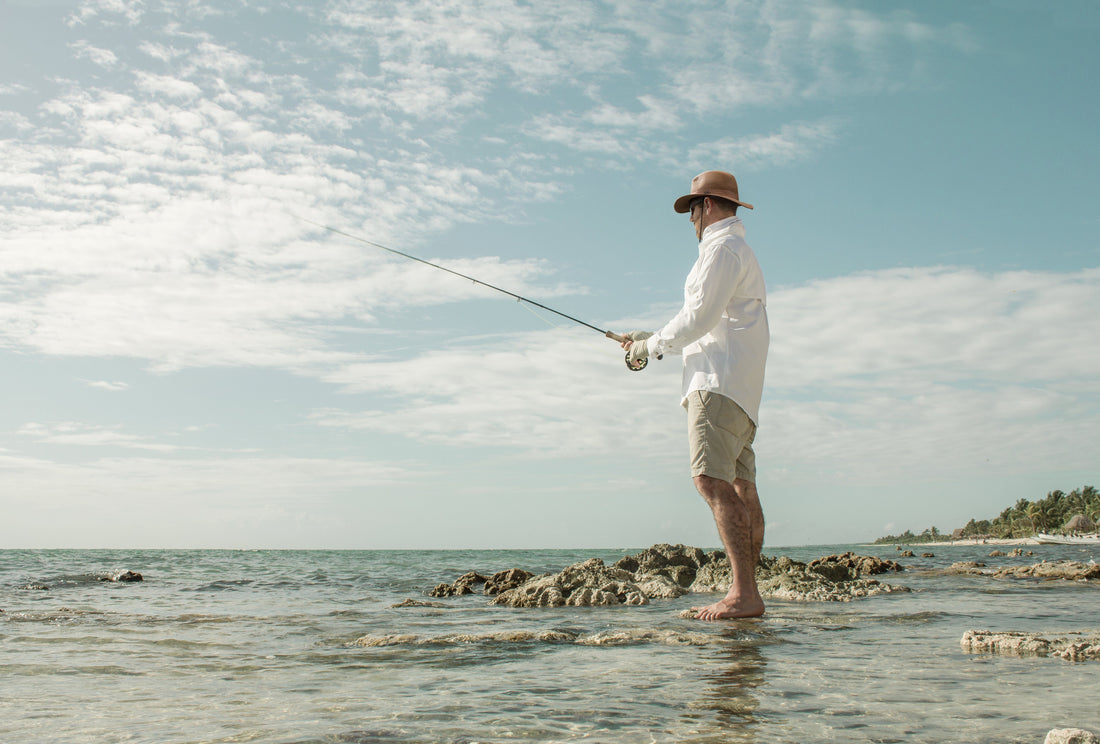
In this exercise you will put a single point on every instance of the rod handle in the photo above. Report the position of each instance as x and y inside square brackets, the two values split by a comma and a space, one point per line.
[620, 339]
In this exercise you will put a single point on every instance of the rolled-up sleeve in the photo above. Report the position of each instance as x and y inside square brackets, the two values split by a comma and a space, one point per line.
[707, 292]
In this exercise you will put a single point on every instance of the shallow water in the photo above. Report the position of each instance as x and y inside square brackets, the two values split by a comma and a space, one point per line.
[229, 646]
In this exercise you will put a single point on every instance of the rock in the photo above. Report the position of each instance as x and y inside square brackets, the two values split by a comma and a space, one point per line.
[867, 565]
[464, 584]
[927, 555]
[713, 576]
[587, 597]
[966, 567]
[123, 576]
[824, 580]
[1068, 570]
[541, 591]
[996, 554]
[1064, 570]
[1073, 647]
[417, 603]
[906, 554]
[680, 563]
[668, 571]
[36, 587]
[809, 586]
[658, 586]
[834, 572]
[1070, 736]
[1019, 644]
[582, 584]
[502, 581]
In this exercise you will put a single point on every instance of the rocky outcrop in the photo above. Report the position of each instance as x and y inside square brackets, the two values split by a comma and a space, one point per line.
[1071, 647]
[1065, 570]
[668, 571]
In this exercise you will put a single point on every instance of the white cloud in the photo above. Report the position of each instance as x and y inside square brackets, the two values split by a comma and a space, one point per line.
[562, 392]
[793, 142]
[168, 86]
[73, 433]
[102, 57]
[914, 373]
[111, 386]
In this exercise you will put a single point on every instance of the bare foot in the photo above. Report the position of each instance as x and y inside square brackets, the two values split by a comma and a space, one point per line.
[727, 609]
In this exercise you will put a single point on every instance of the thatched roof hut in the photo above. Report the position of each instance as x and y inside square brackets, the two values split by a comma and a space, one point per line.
[1079, 523]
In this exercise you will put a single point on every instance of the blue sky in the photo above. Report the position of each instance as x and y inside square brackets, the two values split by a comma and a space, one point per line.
[188, 363]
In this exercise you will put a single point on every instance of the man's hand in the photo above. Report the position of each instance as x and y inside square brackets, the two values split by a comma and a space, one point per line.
[637, 351]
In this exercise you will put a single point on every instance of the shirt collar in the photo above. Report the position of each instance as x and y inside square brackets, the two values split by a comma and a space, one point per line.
[730, 224]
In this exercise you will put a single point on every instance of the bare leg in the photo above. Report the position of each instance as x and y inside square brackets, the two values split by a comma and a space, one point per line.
[740, 521]
[746, 491]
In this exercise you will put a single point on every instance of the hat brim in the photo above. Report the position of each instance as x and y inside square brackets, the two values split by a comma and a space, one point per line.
[681, 204]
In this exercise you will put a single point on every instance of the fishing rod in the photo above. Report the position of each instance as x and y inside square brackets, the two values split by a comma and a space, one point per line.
[633, 367]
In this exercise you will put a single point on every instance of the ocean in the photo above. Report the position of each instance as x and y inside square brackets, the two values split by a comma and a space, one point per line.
[259, 646]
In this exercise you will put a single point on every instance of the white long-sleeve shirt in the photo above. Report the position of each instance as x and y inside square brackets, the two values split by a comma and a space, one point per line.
[722, 329]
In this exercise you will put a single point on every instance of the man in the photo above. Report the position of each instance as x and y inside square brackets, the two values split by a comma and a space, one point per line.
[722, 333]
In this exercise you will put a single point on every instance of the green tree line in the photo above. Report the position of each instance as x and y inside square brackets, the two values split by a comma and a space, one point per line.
[1024, 519]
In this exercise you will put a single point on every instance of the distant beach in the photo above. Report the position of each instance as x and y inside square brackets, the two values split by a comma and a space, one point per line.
[984, 541]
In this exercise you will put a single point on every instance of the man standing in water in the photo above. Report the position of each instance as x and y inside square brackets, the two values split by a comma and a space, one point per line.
[722, 332]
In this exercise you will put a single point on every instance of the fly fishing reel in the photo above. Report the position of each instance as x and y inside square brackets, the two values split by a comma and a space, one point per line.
[637, 366]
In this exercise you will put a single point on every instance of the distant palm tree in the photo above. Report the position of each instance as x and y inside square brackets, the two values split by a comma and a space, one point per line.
[1039, 516]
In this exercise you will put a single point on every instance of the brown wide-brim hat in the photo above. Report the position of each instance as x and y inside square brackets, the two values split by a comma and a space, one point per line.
[711, 183]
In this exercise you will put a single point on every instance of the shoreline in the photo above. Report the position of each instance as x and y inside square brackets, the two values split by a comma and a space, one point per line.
[988, 541]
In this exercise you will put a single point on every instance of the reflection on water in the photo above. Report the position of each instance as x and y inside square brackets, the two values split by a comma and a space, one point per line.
[727, 708]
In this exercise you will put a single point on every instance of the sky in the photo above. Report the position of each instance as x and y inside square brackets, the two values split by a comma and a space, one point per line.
[190, 362]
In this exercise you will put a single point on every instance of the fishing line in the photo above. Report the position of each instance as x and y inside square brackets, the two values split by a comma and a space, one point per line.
[635, 367]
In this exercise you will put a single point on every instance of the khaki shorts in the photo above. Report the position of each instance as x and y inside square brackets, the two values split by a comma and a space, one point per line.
[720, 435]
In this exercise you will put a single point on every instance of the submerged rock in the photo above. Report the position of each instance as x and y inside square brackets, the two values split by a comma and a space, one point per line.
[624, 637]
[1072, 647]
[416, 603]
[123, 576]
